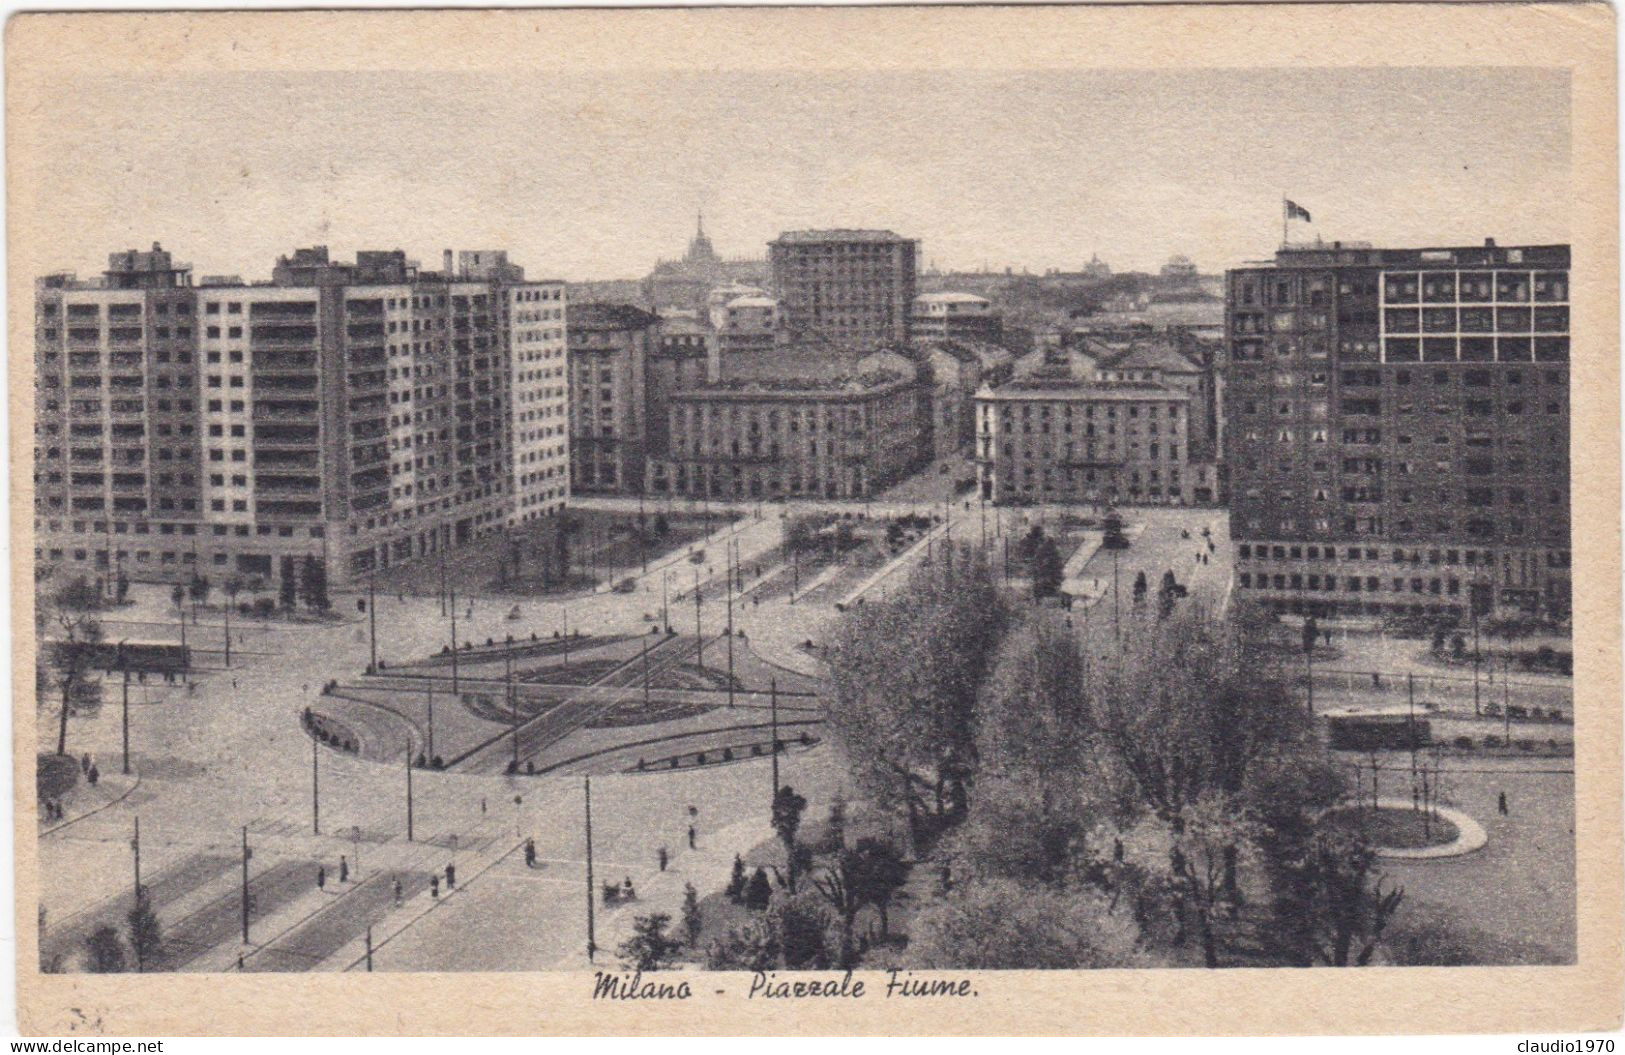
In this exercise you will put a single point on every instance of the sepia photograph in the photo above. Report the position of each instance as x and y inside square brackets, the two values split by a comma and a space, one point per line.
[844, 526]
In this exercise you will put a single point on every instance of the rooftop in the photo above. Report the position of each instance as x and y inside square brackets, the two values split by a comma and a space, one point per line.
[585, 317]
[1071, 388]
[1358, 254]
[837, 234]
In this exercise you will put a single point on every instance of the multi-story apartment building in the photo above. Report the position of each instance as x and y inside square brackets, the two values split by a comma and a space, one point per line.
[955, 317]
[747, 324]
[610, 346]
[1397, 430]
[786, 424]
[957, 370]
[364, 413]
[1063, 438]
[852, 288]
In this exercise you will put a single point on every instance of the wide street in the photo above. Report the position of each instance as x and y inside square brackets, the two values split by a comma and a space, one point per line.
[229, 755]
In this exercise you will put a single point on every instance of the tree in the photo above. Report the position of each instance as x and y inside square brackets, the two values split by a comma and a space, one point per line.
[1047, 568]
[288, 588]
[737, 881]
[315, 584]
[1337, 898]
[758, 891]
[145, 936]
[1140, 586]
[906, 674]
[199, 589]
[1000, 924]
[232, 588]
[753, 947]
[1209, 835]
[104, 951]
[835, 829]
[649, 948]
[836, 885]
[66, 663]
[1311, 633]
[121, 586]
[787, 809]
[693, 921]
[878, 871]
[177, 595]
[801, 926]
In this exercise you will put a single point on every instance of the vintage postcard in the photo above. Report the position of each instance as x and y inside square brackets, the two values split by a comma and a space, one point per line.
[912, 520]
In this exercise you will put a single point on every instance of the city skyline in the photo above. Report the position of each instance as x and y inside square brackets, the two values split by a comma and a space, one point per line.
[592, 177]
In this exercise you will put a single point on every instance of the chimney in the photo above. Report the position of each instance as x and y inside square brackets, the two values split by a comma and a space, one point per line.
[156, 248]
[447, 258]
[1489, 243]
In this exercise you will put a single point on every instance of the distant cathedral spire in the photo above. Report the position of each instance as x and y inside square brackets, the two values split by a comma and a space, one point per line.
[700, 250]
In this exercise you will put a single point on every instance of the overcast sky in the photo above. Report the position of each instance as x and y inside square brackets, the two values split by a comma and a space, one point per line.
[595, 177]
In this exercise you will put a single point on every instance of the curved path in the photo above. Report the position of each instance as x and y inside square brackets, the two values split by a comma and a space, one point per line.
[1470, 835]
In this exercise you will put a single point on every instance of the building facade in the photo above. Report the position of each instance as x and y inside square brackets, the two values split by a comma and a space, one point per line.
[787, 425]
[955, 317]
[687, 283]
[852, 288]
[1060, 438]
[1397, 430]
[610, 347]
[363, 413]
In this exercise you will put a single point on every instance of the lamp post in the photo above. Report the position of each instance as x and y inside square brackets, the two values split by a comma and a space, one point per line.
[699, 635]
[592, 947]
[124, 663]
[315, 787]
[454, 642]
[408, 789]
[372, 620]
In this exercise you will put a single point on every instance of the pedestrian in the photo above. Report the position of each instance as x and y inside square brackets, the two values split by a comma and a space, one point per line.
[321, 877]
[451, 876]
[627, 891]
[434, 887]
[691, 837]
[1376, 680]
[662, 858]
[482, 807]
[239, 961]
[397, 893]
[234, 683]
[530, 853]
[94, 775]
[1502, 804]
[344, 869]
[84, 762]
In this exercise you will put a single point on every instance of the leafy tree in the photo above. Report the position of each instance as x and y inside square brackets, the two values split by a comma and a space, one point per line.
[1140, 586]
[650, 948]
[787, 809]
[907, 673]
[1000, 924]
[104, 951]
[758, 891]
[1209, 836]
[200, 588]
[693, 921]
[1338, 899]
[145, 936]
[1311, 633]
[288, 588]
[837, 887]
[1047, 568]
[835, 830]
[661, 527]
[66, 663]
[315, 584]
[877, 871]
[737, 881]
[801, 926]
[177, 595]
[753, 947]
[121, 586]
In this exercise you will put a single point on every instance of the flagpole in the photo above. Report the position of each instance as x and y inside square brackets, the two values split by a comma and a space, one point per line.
[1286, 218]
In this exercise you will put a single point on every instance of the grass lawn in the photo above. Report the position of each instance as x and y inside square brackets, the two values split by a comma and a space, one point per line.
[1395, 829]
